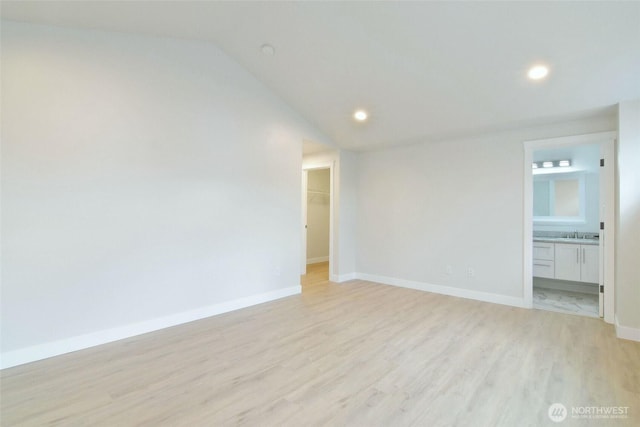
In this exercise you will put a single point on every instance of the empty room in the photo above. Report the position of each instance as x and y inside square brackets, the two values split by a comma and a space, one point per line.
[320, 213]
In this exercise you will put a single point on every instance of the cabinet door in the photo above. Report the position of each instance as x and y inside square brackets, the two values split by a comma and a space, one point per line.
[567, 263]
[590, 255]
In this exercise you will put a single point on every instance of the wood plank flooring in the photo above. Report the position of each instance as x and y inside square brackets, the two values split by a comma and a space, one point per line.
[317, 273]
[357, 354]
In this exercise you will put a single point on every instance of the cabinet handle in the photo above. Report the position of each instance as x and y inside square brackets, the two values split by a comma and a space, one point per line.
[577, 255]
[583, 256]
[541, 265]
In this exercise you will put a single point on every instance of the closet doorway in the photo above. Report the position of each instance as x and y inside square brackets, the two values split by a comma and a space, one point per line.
[317, 222]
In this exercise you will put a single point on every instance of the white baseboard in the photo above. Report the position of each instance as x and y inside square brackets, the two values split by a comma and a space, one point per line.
[68, 345]
[445, 290]
[317, 259]
[627, 333]
[344, 277]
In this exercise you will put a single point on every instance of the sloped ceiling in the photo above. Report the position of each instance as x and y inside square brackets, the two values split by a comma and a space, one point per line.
[423, 70]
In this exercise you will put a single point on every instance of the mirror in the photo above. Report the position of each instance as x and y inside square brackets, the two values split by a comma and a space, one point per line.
[559, 198]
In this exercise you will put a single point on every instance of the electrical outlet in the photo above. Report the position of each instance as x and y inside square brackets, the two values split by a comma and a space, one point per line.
[471, 272]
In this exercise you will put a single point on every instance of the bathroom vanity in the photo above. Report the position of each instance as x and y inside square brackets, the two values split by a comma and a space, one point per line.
[558, 258]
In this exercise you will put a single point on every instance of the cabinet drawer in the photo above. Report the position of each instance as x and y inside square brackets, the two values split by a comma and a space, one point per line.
[544, 251]
[543, 268]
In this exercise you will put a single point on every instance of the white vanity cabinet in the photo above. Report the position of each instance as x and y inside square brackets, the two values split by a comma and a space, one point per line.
[568, 262]
[590, 267]
[543, 260]
[571, 261]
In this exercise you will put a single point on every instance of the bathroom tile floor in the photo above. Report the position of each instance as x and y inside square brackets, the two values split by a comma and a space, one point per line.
[566, 302]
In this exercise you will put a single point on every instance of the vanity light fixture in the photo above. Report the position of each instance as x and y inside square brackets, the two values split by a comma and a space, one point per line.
[547, 164]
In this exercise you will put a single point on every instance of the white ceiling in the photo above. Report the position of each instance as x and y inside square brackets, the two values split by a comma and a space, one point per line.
[424, 70]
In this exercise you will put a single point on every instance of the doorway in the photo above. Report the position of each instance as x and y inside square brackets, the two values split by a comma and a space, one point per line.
[569, 223]
[317, 225]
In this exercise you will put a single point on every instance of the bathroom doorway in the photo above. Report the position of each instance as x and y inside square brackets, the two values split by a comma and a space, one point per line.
[566, 238]
[568, 216]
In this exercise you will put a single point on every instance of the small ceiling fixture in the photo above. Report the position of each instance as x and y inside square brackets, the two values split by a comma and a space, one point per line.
[267, 49]
[538, 72]
[360, 115]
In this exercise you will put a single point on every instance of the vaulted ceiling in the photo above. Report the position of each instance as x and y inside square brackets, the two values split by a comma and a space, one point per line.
[422, 70]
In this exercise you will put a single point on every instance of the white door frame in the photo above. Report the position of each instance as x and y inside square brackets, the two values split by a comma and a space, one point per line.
[607, 212]
[305, 178]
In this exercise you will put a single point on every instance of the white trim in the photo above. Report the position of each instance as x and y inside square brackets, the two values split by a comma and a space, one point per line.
[608, 207]
[606, 139]
[317, 259]
[303, 201]
[527, 235]
[626, 332]
[80, 342]
[444, 290]
[344, 277]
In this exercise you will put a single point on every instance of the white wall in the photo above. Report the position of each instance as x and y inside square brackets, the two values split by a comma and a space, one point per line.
[144, 181]
[628, 221]
[318, 197]
[348, 178]
[454, 203]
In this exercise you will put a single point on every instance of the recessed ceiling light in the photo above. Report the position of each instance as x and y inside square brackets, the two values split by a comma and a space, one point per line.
[538, 72]
[360, 115]
[267, 49]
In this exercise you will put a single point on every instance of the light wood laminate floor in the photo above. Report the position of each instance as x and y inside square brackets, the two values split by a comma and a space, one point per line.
[357, 354]
[317, 274]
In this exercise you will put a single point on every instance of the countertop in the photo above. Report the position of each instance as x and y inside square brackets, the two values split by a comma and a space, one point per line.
[567, 240]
